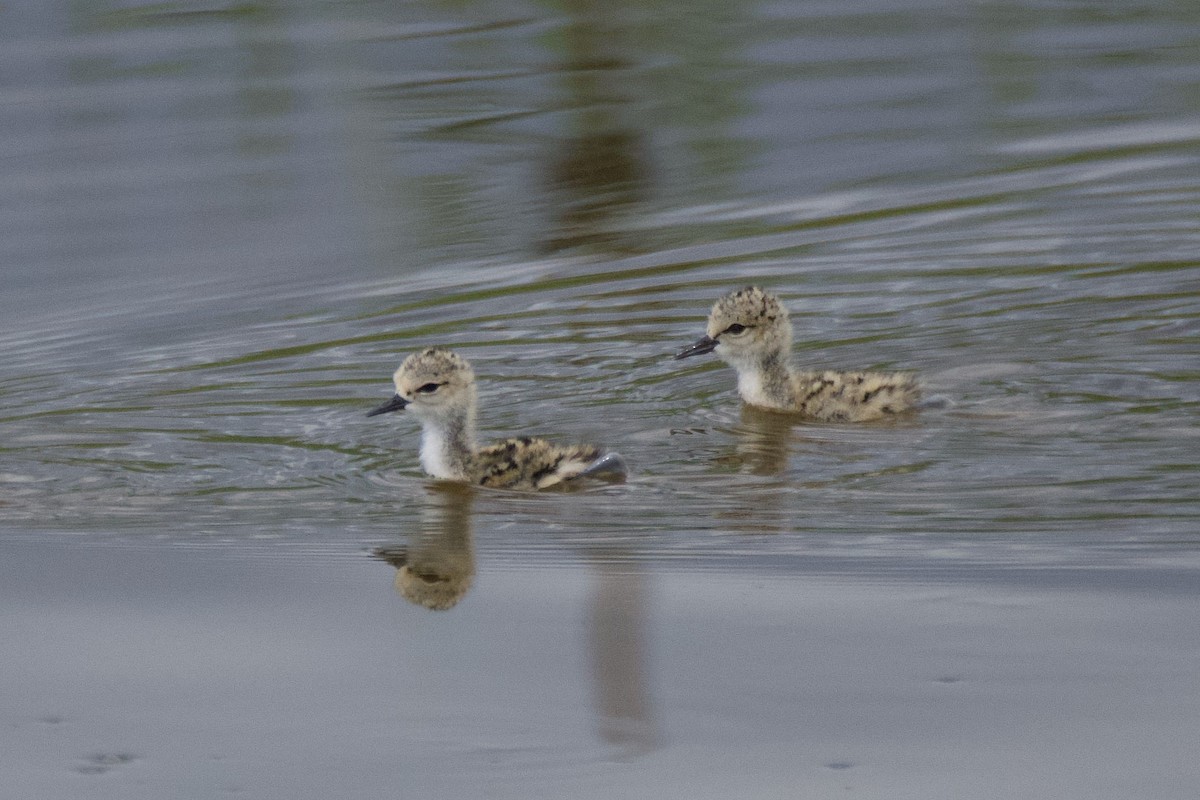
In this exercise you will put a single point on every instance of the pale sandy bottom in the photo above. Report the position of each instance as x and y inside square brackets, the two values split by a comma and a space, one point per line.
[154, 671]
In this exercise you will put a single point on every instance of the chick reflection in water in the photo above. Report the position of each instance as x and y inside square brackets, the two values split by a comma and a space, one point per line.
[763, 441]
[749, 330]
[438, 387]
[437, 567]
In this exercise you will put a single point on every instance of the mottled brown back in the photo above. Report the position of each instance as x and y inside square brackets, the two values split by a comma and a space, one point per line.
[527, 463]
[855, 396]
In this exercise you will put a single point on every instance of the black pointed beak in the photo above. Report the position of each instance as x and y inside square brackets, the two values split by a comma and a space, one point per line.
[705, 345]
[395, 404]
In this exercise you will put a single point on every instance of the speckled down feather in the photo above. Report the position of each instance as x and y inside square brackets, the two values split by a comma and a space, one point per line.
[854, 396]
[527, 463]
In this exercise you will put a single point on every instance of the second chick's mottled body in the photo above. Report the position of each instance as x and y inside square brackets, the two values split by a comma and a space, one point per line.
[438, 387]
[749, 330]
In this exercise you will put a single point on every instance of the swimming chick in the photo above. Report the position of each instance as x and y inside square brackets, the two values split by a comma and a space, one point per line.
[749, 330]
[438, 387]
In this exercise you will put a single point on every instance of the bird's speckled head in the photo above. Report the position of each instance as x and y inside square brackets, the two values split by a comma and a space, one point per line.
[746, 326]
[433, 384]
[750, 308]
[435, 379]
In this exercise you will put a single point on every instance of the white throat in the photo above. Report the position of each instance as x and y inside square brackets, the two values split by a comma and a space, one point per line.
[749, 375]
[435, 451]
[760, 383]
[750, 385]
[447, 445]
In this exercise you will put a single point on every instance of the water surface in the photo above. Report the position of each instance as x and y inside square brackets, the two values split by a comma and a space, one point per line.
[227, 225]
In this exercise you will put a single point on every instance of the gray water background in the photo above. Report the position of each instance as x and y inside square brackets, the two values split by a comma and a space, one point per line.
[224, 226]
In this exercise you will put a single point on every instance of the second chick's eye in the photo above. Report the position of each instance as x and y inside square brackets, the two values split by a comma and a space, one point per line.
[735, 328]
[428, 388]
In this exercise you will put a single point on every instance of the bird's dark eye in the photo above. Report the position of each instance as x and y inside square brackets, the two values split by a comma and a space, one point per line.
[735, 328]
[428, 388]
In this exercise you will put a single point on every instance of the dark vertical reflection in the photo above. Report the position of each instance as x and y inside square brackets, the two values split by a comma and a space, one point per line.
[632, 76]
[265, 93]
[645, 108]
[437, 566]
[599, 168]
[617, 633]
